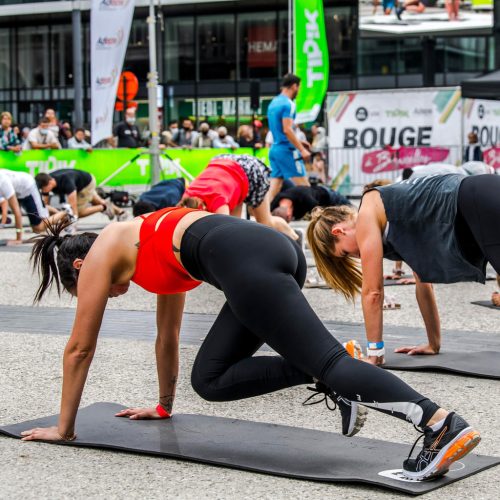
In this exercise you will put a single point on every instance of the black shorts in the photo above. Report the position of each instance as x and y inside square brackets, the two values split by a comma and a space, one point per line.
[34, 211]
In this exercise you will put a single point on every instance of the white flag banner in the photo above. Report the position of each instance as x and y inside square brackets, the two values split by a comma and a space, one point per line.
[110, 23]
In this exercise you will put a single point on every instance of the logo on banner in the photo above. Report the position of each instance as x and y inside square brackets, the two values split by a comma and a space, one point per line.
[102, 118]
[109, 42]
[113, 4]
[106, 81]
[361, 114]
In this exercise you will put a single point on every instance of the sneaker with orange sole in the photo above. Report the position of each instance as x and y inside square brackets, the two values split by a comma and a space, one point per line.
[455, 439]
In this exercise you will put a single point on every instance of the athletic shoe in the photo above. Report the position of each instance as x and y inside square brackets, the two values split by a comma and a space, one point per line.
[108, 209]
[353, 349]
[441, 448]
[353, 415]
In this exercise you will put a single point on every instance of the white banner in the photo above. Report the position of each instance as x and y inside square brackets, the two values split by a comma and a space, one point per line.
[483, 118]
[109, 31]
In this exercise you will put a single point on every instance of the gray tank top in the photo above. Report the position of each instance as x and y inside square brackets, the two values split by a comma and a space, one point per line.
[421, 217]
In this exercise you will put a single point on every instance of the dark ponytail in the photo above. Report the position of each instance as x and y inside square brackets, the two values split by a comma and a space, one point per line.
[58, 269]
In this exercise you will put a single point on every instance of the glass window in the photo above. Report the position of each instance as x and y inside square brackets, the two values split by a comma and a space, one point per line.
[339, 31]
[179, 49]
[5, 68]
[137, 56]
[61, 56]
[410, 56]
[465, 54]
[216, 47]
[377, 57]
[258, 45]
[33, 57]
[283, 43]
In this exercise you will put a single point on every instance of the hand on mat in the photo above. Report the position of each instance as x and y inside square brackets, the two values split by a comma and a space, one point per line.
[407, 281]
[12, 243]
[44, 434]
[139, 413]
[495, 299]
[417, 349]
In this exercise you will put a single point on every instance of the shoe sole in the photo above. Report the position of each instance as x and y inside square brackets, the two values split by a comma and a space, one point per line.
[463, 444]
[361, 414]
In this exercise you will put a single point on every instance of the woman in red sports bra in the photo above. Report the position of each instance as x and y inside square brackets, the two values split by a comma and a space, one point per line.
[261, 273]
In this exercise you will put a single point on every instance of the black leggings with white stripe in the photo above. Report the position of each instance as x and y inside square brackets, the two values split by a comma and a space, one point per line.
[261, 273]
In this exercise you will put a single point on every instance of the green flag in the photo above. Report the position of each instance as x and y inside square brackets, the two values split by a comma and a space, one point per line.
[310, 57]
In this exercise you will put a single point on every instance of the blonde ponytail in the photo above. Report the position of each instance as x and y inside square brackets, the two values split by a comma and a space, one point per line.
[342, 274]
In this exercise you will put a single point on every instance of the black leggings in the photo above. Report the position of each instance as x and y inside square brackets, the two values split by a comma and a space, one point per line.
[478, 218]
[261, 273]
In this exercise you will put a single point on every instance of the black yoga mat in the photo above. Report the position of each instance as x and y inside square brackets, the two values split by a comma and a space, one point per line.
[485, 364]
[257, 447]
[485, 303]
[389, 282]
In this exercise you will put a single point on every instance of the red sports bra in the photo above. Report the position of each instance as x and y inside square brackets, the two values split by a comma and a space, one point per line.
[157, 270]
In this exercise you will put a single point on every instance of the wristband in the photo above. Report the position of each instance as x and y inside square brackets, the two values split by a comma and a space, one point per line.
[18, 231]
[162, 412]
[376, 352]
[376, 345]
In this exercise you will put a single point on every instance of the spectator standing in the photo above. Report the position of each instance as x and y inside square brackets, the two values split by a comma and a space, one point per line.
[246, 138]
[224, 140]
[473, 152]
[9, 141]
[65, 134]
[42, 137]
[78, 141]
[127, 132]
[288, 153]
[24, 135]
[319, 143]
[54, 126]
[205, 137]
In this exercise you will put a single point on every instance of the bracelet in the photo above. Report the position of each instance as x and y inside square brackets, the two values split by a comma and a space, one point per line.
[376, 345]
[376, 352]
[18, 231]
[162, 412]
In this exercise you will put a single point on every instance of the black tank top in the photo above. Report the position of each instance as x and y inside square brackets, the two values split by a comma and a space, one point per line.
[421, 215]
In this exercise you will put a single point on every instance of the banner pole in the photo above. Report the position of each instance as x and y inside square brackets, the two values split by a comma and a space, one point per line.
[154, 148]
[290, 36]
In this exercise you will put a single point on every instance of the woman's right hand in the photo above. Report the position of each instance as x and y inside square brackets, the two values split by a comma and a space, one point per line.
[140, 414]
[45, 434]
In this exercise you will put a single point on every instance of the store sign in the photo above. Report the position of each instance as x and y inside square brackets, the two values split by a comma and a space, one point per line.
[110, 22]
[310, 58]
[212, 108]
[262, 46]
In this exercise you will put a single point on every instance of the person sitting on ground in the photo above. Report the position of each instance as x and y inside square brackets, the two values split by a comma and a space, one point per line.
[165, 194]
[224, 140]
[444, 226]
[78, 189]
[78, 141]
[19, 189]
[231, 180]
[9, 141]
[261, 273]
[205, 138]
[300, 200]
[42, 137]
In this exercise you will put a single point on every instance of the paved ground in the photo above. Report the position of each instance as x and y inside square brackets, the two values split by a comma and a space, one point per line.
[124, 371]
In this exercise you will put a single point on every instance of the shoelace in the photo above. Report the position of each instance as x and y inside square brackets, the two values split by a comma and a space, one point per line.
[422, 434]
[326, 398]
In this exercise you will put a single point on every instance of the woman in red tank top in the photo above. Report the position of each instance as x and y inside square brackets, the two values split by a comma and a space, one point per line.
[260, 272]
[230, 180]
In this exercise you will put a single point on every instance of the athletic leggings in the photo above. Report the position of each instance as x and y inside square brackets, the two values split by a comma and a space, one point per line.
[478, 218]
[261, 273]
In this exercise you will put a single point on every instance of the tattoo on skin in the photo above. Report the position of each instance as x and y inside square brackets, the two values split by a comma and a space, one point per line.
[167, 401]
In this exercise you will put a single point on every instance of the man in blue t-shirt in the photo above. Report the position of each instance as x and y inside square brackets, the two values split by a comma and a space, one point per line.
[287, 153]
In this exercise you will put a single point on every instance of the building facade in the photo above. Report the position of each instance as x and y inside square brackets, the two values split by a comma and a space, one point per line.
[209, 52]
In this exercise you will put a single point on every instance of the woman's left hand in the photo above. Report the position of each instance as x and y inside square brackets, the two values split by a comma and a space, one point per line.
[139, 413]
[417, 349]
[42, 433]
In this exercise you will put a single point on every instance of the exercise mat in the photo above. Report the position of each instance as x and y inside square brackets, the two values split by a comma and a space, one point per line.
[390, 282]
[258, 447]
[485, 303]
[485, 364]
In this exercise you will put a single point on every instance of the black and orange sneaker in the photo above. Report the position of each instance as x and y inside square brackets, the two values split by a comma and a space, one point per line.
[455, 439]
[353, 415]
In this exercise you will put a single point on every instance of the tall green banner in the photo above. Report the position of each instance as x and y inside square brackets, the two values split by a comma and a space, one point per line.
[310, 57]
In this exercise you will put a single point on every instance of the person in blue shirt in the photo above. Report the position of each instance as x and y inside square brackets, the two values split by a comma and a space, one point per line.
[162, 195]
[287, 153]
